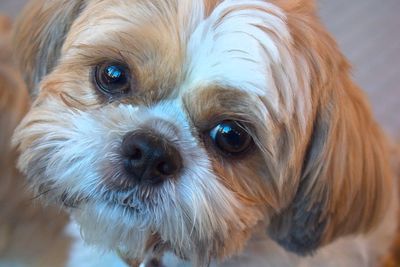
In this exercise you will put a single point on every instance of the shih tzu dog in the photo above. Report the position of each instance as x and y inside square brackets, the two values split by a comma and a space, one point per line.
[203, 133]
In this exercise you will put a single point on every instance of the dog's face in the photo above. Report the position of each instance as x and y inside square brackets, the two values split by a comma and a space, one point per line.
[188, 123]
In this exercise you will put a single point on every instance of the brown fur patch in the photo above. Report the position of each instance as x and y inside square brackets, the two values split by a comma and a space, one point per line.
[346, 176]
[29, 233]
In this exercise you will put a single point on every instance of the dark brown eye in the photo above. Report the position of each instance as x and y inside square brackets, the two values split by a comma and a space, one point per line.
[112, 78]
[231, 138]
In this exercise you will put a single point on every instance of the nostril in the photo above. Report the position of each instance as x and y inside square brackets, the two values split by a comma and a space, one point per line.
[135, 154]
[166, 168]
[128, 165]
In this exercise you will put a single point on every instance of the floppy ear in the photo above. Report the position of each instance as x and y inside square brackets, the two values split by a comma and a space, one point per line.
[345, 182]
[39, 35]
[308, 6]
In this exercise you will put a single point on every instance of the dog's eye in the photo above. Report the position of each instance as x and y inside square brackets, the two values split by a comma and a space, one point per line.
[112, 78]
[231, 138]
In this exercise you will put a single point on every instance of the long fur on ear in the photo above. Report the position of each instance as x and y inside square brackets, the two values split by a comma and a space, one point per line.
[14, 103]
[39, 35]
[299, 5]
[345, 182]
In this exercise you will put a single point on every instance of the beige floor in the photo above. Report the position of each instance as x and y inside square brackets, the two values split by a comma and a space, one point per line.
[369, 33]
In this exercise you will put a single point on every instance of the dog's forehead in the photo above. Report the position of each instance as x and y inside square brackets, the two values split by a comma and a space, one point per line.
[190, 44]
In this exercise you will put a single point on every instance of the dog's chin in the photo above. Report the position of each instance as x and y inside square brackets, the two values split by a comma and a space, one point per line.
[141, 198]
[113, 223]
[128, 220]
[125, 219]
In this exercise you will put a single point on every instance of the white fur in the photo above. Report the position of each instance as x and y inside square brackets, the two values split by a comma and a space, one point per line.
[197, 197]
[235, 51]
[239, 51]
[82, 255]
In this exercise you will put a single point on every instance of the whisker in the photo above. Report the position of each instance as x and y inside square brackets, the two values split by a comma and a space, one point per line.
[41, 194]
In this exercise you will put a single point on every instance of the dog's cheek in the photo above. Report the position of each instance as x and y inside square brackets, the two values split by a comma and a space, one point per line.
[234, 206]
[55, 148]
[34, 155]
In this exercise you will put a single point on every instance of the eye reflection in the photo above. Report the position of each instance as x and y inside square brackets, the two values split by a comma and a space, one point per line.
[112, 78]
[231, 138]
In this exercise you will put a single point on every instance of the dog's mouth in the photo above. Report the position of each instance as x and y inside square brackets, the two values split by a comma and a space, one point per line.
[129, 202]
[126, 201]
[139, 199]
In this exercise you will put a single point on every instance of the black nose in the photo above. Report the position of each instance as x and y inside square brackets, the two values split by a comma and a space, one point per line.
[150, 158]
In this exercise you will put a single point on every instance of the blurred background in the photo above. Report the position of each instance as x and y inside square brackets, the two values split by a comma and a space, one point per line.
[368, 31]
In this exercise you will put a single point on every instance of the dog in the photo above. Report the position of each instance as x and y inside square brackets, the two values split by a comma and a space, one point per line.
[203, 133]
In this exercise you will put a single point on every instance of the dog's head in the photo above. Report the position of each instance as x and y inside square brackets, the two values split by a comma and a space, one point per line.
[194, 121]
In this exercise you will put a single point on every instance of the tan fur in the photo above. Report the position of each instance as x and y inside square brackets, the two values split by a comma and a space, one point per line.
[352, 162]
[29, 234]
